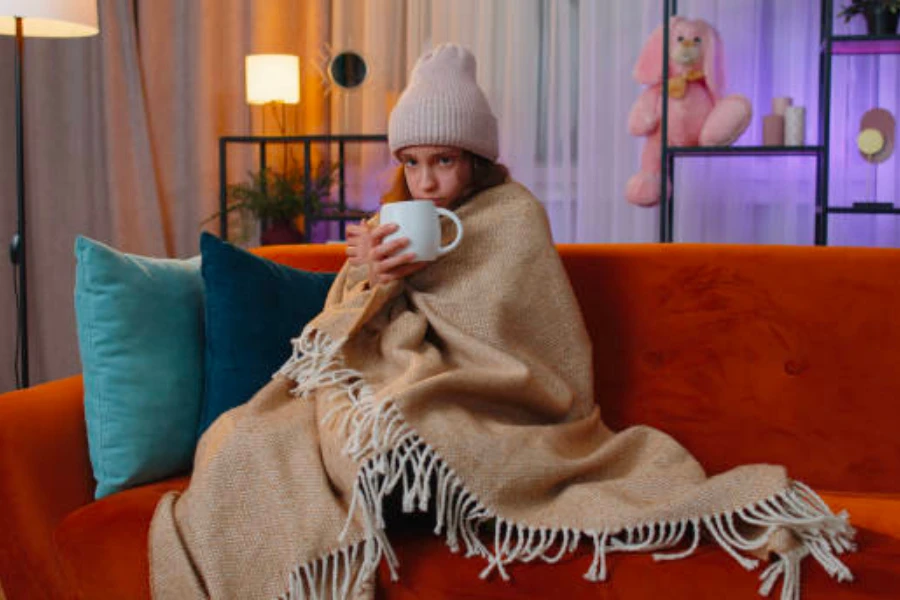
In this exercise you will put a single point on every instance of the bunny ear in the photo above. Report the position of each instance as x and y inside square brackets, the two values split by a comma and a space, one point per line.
[648, 69]
[713, 60]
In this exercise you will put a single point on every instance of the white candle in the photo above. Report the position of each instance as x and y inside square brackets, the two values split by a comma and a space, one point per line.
[795, 126]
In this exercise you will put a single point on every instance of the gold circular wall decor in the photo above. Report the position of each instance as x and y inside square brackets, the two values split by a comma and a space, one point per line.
[876, 136]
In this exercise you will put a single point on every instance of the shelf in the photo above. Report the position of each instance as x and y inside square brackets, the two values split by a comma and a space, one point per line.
[746, 150]
[347, 215]
[829, 45]
[865, 44]
[880, 208]
[327, 211]
[302, 139]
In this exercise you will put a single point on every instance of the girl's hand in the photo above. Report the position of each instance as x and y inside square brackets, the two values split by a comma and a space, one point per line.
[359, 243]
[365, 246]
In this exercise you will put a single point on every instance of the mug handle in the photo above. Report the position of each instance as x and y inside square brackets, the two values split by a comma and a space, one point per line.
[459, 231]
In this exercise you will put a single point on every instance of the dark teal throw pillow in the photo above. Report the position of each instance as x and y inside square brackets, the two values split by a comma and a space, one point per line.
[254, 307]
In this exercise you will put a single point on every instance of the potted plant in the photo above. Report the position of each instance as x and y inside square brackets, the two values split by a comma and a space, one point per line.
[881, 15]
[279, 200]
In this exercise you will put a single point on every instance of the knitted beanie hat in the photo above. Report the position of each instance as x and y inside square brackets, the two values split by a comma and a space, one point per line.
[443, 106]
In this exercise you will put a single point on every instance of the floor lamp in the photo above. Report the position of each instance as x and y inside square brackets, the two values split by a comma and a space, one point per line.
[34, 18]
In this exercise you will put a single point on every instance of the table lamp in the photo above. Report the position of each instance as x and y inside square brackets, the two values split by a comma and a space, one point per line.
[273, 79]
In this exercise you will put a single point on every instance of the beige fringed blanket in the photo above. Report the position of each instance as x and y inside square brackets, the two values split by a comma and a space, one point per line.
[468, 389]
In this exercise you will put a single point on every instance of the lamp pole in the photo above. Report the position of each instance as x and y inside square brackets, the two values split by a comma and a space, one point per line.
[17, 247]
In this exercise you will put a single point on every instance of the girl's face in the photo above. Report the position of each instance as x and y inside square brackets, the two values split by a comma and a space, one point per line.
[438, 173]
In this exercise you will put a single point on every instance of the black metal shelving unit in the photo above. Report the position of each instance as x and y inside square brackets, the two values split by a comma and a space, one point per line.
[830, 45]
[848, 45]
[332, 211]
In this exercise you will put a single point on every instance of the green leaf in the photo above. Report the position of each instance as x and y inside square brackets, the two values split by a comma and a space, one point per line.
[274, 195]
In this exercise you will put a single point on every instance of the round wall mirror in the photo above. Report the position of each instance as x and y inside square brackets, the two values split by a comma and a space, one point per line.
[348, 70]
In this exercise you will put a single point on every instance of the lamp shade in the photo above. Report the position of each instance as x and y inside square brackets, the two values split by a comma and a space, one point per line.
[50, 18]
[273, 78]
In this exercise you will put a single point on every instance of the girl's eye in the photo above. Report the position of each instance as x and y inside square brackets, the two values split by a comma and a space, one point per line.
[446, 160]
[697, 40]
[680, 38]
[409, 162]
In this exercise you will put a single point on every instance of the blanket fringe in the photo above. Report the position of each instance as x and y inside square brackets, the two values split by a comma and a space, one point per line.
[392, 453]
[329, 577]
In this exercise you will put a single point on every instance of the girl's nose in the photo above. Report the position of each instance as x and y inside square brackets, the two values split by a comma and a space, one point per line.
[429, 181]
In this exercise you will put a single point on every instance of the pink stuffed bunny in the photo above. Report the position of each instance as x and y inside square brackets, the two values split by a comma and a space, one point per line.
[698, 114]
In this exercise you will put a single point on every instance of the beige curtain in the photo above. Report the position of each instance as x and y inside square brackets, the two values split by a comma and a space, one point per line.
[121, 141]
[192, 56]
[375, 29]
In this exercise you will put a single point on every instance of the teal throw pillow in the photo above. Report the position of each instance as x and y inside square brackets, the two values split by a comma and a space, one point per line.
[254, 307]
[140, 335]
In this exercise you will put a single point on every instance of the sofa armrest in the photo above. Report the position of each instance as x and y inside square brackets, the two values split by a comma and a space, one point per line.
[45, 474]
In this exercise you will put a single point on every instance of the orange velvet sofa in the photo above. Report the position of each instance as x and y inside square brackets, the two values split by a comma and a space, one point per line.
[745, 354]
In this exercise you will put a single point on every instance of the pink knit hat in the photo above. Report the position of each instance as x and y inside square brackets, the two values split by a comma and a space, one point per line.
[443, 106]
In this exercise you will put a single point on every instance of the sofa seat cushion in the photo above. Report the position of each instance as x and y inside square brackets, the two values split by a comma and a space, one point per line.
[103, 551]
[103, 546]
[429, 571]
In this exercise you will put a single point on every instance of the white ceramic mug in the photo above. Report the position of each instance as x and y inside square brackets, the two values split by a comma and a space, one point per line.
[419, 220]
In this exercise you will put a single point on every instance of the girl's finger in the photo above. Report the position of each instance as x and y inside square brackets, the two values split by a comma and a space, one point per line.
[383, 251]
[389, 264]
[406, 270]
[382, 231]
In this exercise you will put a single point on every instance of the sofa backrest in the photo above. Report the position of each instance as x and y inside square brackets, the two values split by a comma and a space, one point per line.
[744, 354]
